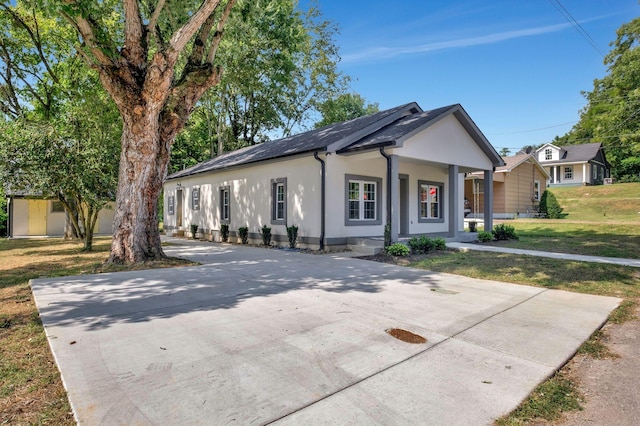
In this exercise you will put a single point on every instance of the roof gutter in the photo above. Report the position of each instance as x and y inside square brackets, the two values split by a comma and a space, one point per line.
[323, 174]
[388, 158]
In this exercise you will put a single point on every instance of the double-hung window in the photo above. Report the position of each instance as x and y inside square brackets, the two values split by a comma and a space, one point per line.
[225, 204]
[279, 201]
[548, 154]
[430, 201]
[195, 198]
[171, 205]
[536, 190]
[363, 205]
[568, 173]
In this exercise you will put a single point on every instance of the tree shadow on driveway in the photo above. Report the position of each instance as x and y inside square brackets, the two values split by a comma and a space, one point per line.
[231, 276]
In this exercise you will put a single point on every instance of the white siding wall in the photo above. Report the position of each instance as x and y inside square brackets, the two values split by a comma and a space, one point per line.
[374, 165]
[445, 142]
[55, 221]
[429, 173]
[555, 154]
[251, 197]
[370, 164]
[20, 218]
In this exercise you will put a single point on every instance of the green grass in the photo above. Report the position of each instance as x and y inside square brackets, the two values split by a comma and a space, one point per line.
[547, 402]
[599, 221]
[619, 202]
[582, 277]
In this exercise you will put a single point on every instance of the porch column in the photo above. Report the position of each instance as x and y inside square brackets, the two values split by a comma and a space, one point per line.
[394, 196]
[488, 200]
[454, 195]
[584, 173]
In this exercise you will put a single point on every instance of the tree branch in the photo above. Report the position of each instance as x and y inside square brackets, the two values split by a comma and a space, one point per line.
[86, 28]
[153, 21]
[134, 49]
[213, 49]
[34, 36]
[182, 36]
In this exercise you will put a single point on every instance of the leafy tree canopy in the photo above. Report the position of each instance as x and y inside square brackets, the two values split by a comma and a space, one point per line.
[612, 115]
[343, 108]
[280, 65]
[60, 131]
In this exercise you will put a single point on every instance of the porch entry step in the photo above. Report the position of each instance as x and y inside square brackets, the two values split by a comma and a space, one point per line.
[366, 246]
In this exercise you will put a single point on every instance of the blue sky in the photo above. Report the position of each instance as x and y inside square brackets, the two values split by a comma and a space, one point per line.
[517, 66]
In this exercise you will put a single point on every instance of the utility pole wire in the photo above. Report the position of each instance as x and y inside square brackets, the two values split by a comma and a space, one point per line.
[567, 15]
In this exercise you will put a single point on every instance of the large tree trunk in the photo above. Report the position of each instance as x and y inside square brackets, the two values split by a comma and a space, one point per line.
[153, 105]
[143, 167]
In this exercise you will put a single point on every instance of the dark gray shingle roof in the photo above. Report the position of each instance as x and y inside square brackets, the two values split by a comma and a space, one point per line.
[582, 152]
[399, 129]
[313, 140]
[379, 129]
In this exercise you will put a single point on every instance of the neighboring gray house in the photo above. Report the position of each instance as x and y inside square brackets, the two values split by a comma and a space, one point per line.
[341, 183]
[584, 164]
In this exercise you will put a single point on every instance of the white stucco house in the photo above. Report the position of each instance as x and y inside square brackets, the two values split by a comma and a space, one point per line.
[340, 183]
[584, 164]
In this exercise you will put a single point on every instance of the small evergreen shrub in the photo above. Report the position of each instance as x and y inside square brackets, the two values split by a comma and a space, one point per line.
[243, 231]
[485, 236]
[421, 244]
[398, 249]
[194, 231]
[292, 234]
[549, 206]
[266, 235]
[504, 232]
[224, 232]
[439, 243]
[387, 235]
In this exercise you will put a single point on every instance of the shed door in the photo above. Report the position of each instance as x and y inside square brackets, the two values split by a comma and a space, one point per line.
[37, 217]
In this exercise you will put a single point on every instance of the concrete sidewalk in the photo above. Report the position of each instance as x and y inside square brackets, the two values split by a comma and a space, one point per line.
[564, 256]
[258, 336]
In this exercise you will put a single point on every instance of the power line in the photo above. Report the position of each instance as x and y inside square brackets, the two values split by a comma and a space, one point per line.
[567, 15]
[533, 130]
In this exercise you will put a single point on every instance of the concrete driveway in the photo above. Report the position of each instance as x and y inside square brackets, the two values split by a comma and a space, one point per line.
[259, 336]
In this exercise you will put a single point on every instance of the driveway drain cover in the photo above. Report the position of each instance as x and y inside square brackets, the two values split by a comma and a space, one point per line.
[406, 336]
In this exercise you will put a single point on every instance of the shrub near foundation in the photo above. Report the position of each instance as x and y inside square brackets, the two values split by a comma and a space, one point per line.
[398, 249]
[265, 232]
[292, 234]
[243, 232]
[503, 232]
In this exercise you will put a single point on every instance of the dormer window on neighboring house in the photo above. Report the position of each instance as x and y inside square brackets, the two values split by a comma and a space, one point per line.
[548, 154]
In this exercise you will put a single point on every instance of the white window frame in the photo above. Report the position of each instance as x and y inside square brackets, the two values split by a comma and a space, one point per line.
[567, 173]
[548, 154]
[536, 190]
[225, 204]
[426, 200]
[195, 199]
[362, 200]
[171, 205]
[279, 215]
